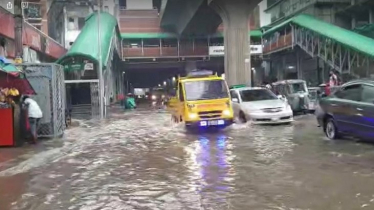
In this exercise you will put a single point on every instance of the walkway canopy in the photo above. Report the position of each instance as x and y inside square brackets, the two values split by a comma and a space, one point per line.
[347, 38]
[86, 45]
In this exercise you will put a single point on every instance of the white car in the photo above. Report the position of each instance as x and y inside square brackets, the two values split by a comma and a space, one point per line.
[260, 106]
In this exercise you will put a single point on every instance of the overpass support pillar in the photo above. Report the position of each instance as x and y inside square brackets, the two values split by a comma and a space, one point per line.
[235, 16]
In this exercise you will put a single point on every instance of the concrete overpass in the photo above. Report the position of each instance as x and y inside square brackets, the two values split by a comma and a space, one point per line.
[202, 17]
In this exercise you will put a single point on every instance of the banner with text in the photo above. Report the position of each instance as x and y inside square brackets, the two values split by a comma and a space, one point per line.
[220, 50]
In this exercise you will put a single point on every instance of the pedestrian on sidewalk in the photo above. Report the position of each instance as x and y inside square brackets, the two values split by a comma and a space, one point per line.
[35, 114]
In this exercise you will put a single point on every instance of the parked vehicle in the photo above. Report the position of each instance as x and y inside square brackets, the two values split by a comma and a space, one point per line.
[260, 106]
[295, 91]
[202, 100]
[348, 111]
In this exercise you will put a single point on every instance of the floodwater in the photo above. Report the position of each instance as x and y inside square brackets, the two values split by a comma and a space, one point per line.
[140, 160]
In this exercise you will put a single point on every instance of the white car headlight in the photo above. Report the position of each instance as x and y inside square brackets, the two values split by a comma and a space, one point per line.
[287, 106]
[154, 97]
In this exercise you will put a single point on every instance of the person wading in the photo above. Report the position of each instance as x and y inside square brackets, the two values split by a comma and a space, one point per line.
[35, 114]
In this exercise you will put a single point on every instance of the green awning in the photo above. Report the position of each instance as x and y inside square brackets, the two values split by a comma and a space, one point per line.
[86, 44]
[343, 36]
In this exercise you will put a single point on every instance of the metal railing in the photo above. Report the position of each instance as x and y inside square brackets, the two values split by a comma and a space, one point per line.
[47, 79]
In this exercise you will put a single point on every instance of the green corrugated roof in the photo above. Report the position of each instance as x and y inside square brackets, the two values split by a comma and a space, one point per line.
[343, 36]
[86, 43]
[163, 35]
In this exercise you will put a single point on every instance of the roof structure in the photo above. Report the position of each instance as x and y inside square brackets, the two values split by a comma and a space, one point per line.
[342, 36]
[86, 44]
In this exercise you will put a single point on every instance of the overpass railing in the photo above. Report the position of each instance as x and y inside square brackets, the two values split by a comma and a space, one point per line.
[140, 49]
[277, 43]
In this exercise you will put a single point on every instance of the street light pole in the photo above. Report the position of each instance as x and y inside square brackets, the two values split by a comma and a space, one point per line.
[100, 69]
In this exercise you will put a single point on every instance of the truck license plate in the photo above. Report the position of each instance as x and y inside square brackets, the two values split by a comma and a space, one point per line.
[213, 122]
[216, 122]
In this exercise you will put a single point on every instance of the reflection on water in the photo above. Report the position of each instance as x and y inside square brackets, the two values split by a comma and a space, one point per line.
[143, 162]
[210, 162]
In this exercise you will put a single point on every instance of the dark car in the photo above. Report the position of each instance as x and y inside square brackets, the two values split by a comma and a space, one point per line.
[348, 111]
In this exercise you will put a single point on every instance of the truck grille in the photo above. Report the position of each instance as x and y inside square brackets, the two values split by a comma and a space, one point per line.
[210, 114]
[272, 110]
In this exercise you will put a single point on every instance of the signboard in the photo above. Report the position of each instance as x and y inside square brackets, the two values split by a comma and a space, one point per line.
[32, 10]
[89, 66]
[74, 67]
[217, 50]
[220, 50]
[256, 49]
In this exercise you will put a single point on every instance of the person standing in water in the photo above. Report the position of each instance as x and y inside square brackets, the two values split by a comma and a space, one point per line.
[35, 114]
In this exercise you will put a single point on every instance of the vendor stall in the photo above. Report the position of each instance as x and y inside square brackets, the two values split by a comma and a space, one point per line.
[13, 119]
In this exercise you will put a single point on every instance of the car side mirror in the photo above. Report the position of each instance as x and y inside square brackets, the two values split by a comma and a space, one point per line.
[323, 95]
[235, 100]
[280, 97]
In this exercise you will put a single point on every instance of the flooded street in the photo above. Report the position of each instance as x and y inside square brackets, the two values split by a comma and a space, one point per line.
[142, 161]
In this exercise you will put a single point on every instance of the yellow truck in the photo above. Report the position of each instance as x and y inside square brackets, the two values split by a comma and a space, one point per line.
[202, 100]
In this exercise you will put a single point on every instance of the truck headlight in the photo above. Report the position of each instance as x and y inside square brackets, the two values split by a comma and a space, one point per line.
[226, 112]
[192, 115]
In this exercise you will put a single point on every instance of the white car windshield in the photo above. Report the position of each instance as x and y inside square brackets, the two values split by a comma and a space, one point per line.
[205, 90]
[257, 95]
[297, 87]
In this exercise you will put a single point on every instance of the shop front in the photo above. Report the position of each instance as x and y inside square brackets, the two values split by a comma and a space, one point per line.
[13, 117]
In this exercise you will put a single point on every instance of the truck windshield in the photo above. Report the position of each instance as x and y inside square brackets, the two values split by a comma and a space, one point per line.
[205, 90]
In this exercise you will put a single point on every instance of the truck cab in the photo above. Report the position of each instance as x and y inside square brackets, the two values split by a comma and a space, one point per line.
[202, 100]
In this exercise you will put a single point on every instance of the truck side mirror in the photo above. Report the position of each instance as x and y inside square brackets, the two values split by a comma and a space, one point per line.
[173, 93]
[235, 100]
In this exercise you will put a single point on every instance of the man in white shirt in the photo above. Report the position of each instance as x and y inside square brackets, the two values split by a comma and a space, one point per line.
[35, 114]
